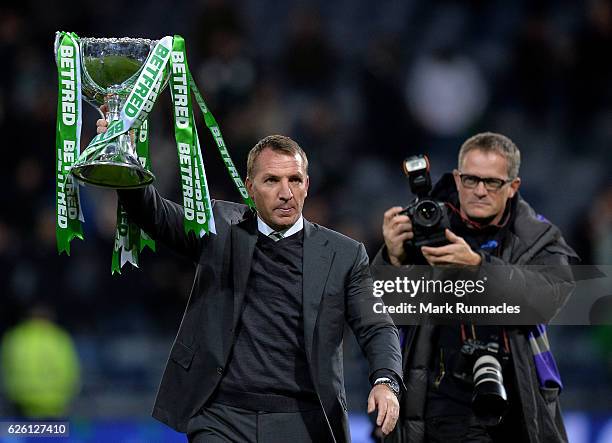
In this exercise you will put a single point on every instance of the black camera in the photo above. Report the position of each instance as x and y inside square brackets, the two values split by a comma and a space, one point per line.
[479, 365]
[429, 217]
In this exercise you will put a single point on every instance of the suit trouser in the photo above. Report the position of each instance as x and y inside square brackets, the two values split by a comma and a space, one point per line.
[222, 423]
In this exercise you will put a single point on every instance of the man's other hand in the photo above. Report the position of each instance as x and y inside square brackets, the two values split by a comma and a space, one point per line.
[384, 400]
[458, 252]
[396, 230]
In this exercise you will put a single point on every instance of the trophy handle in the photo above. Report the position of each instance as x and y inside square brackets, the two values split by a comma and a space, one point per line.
[100, 112]
[95, 105]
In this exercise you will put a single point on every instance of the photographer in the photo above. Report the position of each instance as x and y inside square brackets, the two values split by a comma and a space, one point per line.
[490, 225]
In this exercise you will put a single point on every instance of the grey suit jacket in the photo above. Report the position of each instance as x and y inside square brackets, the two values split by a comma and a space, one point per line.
[337, 287]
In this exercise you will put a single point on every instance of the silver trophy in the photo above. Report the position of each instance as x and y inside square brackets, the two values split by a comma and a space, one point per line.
[110, 68]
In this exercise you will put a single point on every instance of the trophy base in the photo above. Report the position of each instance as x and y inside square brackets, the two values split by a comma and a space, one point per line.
[113, 174]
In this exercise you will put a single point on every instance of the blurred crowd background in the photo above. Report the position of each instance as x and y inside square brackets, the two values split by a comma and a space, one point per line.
[360, 85]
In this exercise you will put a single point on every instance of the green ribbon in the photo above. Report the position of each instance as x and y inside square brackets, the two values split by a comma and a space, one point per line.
[213, 127]
[196, 199]
[127, 235]
[130, 240]
[67, 141]
[142, 149]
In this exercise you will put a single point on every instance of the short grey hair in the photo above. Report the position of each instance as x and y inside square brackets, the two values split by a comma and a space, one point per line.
[278, 143]
[493, 142]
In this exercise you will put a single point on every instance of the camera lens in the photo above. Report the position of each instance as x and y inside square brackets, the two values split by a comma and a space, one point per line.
[489, 401]
[427, 213]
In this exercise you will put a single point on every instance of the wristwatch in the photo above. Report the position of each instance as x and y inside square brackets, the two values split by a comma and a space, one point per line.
[391, 384]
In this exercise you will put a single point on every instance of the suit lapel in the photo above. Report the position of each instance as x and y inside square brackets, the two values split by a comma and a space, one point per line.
[244, 237]
[316, 265]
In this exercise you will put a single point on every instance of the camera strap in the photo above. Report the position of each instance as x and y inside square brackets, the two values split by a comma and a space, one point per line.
[505, 344]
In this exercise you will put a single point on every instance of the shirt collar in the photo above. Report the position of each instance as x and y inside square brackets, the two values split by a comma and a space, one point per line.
[267, 230]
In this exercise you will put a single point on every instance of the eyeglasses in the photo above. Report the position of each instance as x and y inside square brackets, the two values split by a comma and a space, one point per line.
[490, 183]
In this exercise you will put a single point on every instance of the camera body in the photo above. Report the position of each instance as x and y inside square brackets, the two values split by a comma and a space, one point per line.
[428, 216]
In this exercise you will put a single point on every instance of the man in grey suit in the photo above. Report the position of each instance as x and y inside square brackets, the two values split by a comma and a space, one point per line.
[258, 356]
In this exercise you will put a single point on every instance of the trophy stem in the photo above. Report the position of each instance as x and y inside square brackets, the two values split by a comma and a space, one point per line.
[113, 103]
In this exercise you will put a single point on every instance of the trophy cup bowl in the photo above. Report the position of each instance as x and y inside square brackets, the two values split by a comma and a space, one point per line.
[110, 68]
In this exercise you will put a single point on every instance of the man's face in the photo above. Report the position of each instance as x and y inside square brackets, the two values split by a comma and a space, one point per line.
[478, 202]
[278, 187]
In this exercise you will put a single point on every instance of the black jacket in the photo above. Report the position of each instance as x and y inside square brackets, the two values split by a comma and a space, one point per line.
[337, 287]
[528, 241]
